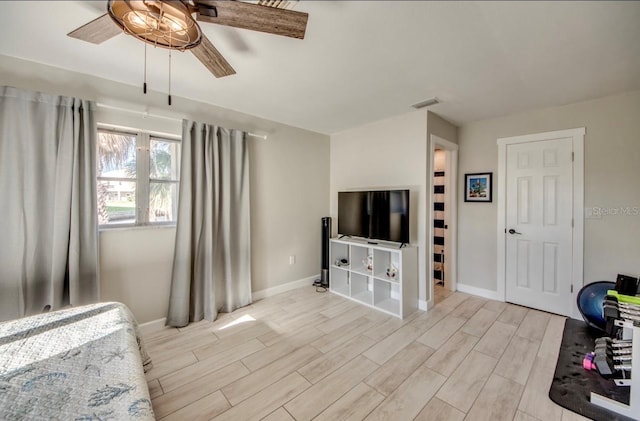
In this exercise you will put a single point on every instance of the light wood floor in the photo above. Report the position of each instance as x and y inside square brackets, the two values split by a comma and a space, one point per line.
[440, 293]
[304, 355]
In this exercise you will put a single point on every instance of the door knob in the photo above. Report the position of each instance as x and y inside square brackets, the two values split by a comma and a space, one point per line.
[512, 231]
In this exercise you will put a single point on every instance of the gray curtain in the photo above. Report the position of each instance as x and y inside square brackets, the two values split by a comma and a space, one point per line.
[212, 258]
[48, 230]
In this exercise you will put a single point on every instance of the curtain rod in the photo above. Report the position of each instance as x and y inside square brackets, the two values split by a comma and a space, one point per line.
[147, 114]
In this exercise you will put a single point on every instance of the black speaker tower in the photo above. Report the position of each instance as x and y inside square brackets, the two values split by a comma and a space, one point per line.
[326, 234]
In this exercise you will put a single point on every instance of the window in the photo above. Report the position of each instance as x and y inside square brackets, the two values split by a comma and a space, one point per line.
[137, 179]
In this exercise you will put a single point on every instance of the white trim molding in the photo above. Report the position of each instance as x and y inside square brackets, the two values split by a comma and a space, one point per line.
[577, 136]
[268, 292]
[480, 292]
[423, 305]
[152, 326]
[535, 137]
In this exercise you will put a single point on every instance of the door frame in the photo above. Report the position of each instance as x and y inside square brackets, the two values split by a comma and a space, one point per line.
[577, 270]
[451, 175]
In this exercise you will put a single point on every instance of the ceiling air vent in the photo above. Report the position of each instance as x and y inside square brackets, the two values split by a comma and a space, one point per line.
[426, 103]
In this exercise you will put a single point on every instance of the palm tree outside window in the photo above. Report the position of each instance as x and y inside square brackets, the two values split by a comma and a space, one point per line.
[138, 176]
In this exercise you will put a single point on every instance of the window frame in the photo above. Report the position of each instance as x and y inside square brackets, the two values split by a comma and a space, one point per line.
[143, 178]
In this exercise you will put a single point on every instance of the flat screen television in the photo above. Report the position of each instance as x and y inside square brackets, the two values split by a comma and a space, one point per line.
[376, 214]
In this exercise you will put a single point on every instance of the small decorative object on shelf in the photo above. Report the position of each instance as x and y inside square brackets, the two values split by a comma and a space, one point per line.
[392, 272]
[368, 263]
[341, 262]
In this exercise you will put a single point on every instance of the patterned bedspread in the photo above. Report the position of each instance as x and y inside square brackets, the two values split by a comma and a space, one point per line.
[83, 363]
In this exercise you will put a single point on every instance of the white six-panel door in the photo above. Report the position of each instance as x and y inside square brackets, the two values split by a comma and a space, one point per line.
[539, 212]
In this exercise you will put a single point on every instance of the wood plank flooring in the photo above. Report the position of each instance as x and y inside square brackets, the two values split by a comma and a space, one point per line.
[304, 355]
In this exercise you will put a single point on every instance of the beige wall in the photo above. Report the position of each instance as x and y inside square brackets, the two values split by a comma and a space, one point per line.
[289, 189]
[440, 127]
[289, 197]
[612, 174]
[135, 269]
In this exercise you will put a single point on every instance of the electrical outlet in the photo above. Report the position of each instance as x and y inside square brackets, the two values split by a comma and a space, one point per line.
[292, 259]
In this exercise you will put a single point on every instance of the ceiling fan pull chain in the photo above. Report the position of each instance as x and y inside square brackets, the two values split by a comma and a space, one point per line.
[169, 77]
[144, 85]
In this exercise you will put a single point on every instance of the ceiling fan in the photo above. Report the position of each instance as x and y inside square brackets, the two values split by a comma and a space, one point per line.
[172, 25]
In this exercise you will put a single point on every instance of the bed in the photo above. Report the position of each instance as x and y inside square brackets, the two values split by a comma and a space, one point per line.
[83, 363]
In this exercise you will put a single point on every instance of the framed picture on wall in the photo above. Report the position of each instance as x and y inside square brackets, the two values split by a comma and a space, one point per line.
[478, 187]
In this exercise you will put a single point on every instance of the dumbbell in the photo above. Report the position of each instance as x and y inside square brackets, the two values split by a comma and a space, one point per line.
[623, 367]
[587, 362]
[610, 355]
[629, 306]
[613, 300]
[620, 343]
[614, 344]
[623, 358]
[605, 365]
[613, 353]
[608, 366]
[611, 313]
[630, 309]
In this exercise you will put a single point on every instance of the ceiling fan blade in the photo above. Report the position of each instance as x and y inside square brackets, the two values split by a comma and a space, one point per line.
[212, 59]
[97, 31]
[252, 16]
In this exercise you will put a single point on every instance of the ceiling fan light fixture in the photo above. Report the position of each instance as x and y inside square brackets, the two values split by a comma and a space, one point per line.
[166, 24]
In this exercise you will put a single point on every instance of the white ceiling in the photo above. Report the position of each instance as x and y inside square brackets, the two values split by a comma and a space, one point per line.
[363, 61]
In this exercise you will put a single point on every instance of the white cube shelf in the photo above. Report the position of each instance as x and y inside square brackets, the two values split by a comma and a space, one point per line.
[379, 275]
[340, 280]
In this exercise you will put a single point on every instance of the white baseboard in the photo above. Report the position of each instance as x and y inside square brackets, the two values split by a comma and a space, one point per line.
[264, 293]
[480, 292]
[152, 326]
